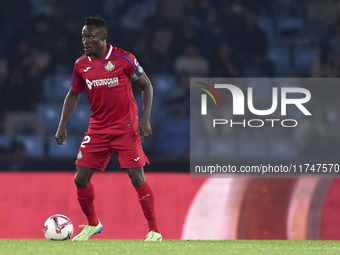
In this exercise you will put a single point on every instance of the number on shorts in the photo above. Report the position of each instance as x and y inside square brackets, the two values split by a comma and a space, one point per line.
[87, 139]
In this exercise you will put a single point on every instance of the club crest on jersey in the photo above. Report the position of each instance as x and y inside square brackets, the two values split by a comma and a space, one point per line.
[109, 66]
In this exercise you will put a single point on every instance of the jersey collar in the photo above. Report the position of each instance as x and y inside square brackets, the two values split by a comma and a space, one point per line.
[108, 53]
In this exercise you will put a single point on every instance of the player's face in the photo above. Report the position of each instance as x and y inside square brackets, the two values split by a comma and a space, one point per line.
[94, 39]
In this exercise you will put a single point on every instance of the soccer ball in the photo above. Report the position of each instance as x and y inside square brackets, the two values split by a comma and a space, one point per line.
[58, 228]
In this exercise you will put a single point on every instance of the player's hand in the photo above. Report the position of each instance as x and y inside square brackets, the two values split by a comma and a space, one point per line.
[60, 135]
[145, 127]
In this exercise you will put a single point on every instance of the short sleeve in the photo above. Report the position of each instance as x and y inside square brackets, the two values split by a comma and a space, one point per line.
[132, 68]
[77, 83]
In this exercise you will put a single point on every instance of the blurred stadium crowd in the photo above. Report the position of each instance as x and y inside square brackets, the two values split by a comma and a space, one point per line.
[173, 40]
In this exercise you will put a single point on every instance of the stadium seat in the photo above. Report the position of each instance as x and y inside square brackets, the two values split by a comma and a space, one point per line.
[175, 135]
[252, 72]
[50, 114]
[33, 144]
[252, 148]
[282, 148]
[48, 84]
[289, 26]
[80, 118]
[222, 148]
[164, 85]
[165, 88]
[69, 149]
[62, 85]
[56, 86]
[5, 141]
[303, 58]
[266, 24]
[281, 58]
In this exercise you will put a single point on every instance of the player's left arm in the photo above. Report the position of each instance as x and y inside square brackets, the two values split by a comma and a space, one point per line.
[147, 94]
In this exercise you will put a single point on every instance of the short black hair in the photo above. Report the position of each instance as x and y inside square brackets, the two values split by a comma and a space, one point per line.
[96, 21]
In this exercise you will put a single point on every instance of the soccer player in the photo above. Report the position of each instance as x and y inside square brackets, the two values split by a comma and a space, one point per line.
[107, 72]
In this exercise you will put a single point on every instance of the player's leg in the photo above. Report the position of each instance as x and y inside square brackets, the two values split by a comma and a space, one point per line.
[132, 158]
[146, 199]
[85, 193]
[94, 153]
[137, 176]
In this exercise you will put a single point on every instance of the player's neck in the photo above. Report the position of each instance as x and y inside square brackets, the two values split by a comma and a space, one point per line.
[101, 53]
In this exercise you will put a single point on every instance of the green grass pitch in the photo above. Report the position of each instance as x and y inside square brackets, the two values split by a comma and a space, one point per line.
[136, 247]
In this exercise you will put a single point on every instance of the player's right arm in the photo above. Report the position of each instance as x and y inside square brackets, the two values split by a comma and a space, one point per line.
[69, 105]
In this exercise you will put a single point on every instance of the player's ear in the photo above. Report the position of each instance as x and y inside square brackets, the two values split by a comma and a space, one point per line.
[104, 36]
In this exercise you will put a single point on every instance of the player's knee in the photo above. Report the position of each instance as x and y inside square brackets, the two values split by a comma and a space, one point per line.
[137, 176]
[137, 181]
[80, 183]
